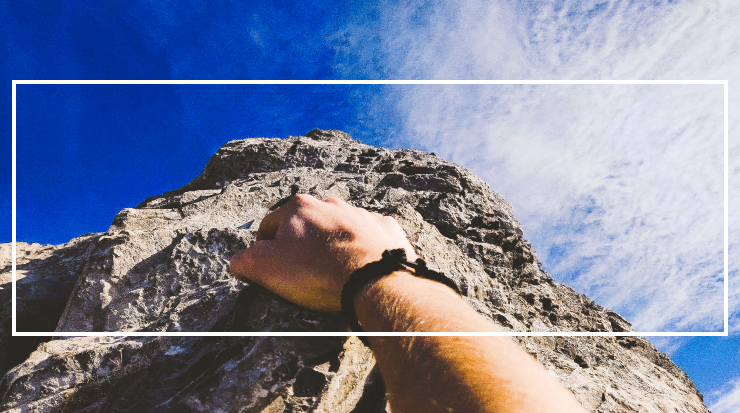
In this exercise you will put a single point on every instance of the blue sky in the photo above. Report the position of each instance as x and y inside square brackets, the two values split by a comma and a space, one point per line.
[86, 151]
[618, 188]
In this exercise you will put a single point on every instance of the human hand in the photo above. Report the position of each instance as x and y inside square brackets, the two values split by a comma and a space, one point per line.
[307, 249]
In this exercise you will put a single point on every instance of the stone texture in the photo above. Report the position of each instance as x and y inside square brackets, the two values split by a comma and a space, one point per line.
[163, 266]
[46, 275]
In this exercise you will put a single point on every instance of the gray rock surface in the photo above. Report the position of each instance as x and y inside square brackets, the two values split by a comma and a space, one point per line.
[163, 266]
[46, 275]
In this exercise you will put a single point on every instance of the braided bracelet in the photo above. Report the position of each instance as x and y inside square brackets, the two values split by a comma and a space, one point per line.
[391, 261]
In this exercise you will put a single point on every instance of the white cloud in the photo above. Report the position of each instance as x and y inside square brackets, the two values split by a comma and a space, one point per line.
[670, 345]
[255, 31]
[726, 399]
[618, 187]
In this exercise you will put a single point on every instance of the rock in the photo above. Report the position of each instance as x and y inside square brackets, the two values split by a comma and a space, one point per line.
[163, 266]
[46, 275]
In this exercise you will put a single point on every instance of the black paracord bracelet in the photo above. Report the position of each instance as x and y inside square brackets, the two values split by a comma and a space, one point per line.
[391, 261]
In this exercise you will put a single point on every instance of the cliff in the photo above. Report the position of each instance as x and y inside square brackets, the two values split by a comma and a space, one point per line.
[163, 267]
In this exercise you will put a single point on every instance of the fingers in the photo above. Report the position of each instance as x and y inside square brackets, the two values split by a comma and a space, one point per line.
[298, 256]
[255, 262]
[271, 222]
[269, 226]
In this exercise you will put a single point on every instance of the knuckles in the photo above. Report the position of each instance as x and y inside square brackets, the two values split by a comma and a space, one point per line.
[337, 202]
[302, 199]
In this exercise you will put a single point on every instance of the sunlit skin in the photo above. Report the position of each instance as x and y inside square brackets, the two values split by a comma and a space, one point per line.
[305, 252]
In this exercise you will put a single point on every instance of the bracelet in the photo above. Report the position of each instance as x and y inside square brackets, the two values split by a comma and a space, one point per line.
[391, 261]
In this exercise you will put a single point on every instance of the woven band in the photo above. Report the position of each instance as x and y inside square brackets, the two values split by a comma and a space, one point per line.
[391, 261]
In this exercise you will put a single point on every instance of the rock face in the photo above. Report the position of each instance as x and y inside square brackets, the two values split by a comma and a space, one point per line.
[163, 267]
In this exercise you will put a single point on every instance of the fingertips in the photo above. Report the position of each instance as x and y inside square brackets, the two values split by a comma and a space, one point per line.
[252, 263]
[238, 264]
[268, 226]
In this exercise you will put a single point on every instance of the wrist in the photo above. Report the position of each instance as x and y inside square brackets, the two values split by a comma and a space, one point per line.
[401, 301]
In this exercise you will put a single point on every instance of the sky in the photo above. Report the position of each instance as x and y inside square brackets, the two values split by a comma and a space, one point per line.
[618, 188]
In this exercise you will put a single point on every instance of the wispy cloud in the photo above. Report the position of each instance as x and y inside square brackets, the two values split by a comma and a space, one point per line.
[618, 187]
[726, 399]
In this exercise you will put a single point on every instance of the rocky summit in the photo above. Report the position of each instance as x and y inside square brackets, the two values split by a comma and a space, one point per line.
[163, 267]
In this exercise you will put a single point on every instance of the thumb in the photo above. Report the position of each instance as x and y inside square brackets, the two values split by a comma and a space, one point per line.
[255, 263]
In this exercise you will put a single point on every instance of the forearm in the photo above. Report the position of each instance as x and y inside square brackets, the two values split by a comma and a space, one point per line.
[305, 252]
[464, 373]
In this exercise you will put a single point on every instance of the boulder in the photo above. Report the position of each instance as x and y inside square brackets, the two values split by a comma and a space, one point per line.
[163, 267]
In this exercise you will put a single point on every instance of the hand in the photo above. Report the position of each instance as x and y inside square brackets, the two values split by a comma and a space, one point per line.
[307, 249]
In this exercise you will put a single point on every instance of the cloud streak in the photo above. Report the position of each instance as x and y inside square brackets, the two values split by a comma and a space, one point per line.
[726, 399]
[619, 188]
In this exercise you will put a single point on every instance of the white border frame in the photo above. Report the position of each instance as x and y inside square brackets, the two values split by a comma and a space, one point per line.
[724, 333]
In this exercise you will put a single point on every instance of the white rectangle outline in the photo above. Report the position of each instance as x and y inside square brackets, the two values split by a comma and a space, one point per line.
[724, 333]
